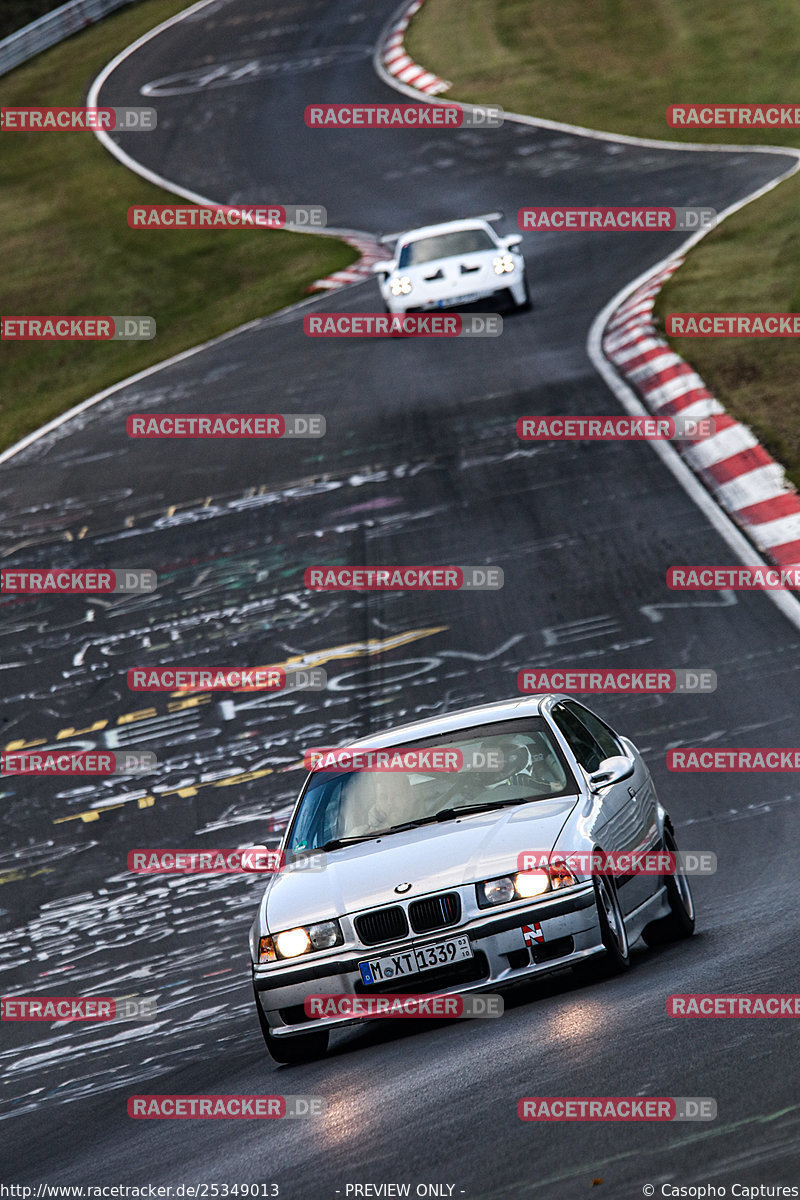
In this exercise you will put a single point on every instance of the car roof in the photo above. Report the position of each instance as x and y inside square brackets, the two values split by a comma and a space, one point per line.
[414, 235]
[465, 718]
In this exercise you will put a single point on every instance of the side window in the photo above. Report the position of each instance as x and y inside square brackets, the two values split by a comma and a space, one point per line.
[608, 743]
[586, 749]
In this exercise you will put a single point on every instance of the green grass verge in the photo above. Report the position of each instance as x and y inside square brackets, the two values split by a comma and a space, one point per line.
[617, 65]
[67, 248]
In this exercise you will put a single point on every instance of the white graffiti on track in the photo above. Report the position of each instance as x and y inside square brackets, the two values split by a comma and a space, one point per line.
[219, 75]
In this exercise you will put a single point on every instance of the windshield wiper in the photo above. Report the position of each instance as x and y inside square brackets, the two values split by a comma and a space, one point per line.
[339, 843]
[444, 814]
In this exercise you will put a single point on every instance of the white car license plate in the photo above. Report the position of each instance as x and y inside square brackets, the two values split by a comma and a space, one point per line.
[416, 959]
[454, 302]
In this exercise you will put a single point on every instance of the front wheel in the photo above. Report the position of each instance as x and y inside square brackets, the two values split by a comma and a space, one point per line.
[679, 922]
[613, 933]
[527, 303]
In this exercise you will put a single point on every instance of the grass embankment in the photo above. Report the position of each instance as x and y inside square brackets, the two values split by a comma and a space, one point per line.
[67, 248]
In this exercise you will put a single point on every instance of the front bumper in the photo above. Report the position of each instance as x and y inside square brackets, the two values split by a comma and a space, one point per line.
[418, 300]
[501, 958]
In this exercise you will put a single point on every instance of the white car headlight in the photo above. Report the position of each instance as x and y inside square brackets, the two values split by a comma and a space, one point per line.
[524, 885]
[292, 943]
[503, 263]
[496, 891]
[531, 883]
[400, 285]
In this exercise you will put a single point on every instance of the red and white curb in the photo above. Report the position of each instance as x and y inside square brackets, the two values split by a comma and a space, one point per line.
[401, 65]
[742, 477]
[371, 251]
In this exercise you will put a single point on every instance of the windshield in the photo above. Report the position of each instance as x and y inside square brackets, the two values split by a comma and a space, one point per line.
[519, 761]
[444, 245]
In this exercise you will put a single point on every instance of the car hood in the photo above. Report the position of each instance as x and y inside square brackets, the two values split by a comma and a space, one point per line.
[431, 858]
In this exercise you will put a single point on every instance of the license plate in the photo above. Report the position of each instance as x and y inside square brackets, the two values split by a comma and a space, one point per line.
[416, 959]
[455, 301]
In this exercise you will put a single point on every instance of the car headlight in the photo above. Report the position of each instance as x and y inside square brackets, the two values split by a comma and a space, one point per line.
[400, 285]
[503, 263]
[524, 885]
[531, 883]
[292, 943]
[496, 891]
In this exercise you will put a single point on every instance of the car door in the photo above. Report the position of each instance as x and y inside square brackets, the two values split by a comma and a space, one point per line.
[628, 817]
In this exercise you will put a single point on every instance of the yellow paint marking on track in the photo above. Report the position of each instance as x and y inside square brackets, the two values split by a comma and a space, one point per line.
[70, 731]
[364, 649]
[19, 873]
[183, 699]
[185, 793]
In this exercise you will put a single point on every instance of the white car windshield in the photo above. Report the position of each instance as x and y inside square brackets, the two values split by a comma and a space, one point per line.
[444, 245]
[497, 768]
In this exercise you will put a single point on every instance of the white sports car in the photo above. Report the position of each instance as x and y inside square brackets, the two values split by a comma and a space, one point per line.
[457, 263]
[421, 889]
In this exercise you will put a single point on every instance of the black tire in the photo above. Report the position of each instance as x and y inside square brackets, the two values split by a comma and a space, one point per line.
[616, 958]
[300, 1048]
[527, 303]
[679, 922]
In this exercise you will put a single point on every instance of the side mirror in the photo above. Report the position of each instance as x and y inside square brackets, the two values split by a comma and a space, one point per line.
[383, 268]
[612, 770]
[263, 859]
[513, 239]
